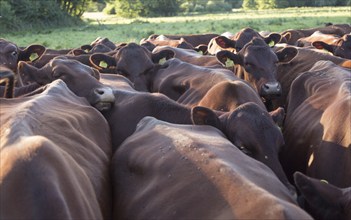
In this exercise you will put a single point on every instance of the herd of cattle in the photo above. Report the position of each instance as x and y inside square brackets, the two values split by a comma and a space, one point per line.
[233, 126]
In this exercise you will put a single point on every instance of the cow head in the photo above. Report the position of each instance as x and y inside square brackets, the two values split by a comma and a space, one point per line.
[10, 54]
[240, 40]
[323, 200]
[252, 130]
[80, 79]
[342, 48]
[257, 64]
[7, 76]
[132, 61]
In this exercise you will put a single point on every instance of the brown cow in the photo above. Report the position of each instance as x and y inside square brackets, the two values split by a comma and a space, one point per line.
[292, 36]
[161, 40]
[303, 61]
[55, 155]
[194, 39]
[257, 64]
[191, 56]
[339, 46]
[190, 85]
[132, 61]
[81, 79]
[10, 54]
[317, 128]
[168, 171]
[132, 105]
[239, 40]
[322, 200]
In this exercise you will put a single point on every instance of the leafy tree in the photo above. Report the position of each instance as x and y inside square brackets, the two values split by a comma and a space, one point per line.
[135, 8]
[249, 4]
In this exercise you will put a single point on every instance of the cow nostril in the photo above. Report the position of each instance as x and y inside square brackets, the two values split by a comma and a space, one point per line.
[265, 86]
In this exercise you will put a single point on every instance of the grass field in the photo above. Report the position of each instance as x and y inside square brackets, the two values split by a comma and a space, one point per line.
[132, 30]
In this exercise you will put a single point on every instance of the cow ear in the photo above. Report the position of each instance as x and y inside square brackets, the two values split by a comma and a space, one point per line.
[286, 54]
[322, 45]
[273, 39]
[86, 47]
[77, 52]
[102, 61]
[320, 195]
[204, 116]
[225, 42]
[285, 37]
[223, 56]
[31, 53]
[167, 54]
[202, 48]
[278, 116]
[96, 73]
[29, 74]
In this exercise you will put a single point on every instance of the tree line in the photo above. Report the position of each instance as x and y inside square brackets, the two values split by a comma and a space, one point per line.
[27, 14]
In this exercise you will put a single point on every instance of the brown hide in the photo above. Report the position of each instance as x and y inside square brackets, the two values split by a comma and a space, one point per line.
[317, 125]
[191, 56]
[81, 79]
[167, 171]
[55, 152]
[303, 61]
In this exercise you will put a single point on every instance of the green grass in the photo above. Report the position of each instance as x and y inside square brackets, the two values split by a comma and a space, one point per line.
[132, 30]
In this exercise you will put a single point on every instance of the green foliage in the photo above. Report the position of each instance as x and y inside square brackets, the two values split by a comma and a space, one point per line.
[110, 9]
[128, 9]
[8, 19]
[249, 4]
[217, 6]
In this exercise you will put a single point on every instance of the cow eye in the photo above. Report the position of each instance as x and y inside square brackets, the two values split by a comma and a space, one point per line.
[14, 53]
[245, 150]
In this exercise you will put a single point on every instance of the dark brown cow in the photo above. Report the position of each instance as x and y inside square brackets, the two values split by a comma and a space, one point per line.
[190, 84]
[132, 105]
[10, 54]
[168, 171]
[303, 61]
[257, 64]
[132, 61]
[239, 40]
[191, 56]
[317, 128]
[193, 39]
[55, 155]
[81, 79]
[323, 200]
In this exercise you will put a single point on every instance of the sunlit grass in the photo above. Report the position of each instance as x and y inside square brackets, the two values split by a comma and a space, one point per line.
[132, 30]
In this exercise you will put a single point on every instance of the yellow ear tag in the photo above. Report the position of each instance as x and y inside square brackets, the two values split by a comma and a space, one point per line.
[162, 61]
[103, 64]
[271, 44]
[324, 181]
[33, 56]
[229, 63]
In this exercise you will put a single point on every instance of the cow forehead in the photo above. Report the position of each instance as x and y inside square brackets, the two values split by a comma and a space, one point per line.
[71, 65]
[258, 52]
[6, 46]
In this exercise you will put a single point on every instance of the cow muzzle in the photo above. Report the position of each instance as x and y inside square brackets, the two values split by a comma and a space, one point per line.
[105, 99]
[270, 90]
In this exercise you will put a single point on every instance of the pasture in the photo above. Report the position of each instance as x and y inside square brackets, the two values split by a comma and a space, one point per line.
[132, 30]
